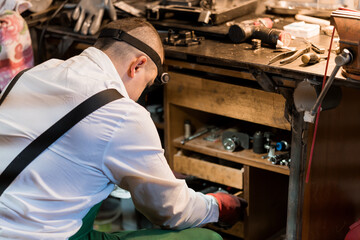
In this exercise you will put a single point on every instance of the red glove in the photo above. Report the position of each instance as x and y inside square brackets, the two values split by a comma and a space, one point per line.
[231, 208]
[354, 233]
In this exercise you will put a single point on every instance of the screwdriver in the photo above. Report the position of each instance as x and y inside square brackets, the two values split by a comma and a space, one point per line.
[195, 135]
[311, 58]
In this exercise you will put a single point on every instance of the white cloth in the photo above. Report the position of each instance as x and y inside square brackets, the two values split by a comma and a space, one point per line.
[116, 144]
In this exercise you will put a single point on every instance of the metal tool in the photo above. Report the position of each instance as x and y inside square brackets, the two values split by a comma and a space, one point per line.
[280, 159]
[198, 134]
[344, 58]
[295, 56]
[232, 139]
[285, 162]
[214, 135]
[289, 57]
[202, 11]
[258, 29]
[314, 47]
[347, 26]
[182, 38]
[281, 56]
[317, 49]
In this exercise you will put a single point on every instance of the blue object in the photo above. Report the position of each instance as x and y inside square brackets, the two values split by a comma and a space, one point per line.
[280, 146]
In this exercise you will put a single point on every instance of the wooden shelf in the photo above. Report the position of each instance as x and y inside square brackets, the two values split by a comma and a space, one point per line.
[215, 149]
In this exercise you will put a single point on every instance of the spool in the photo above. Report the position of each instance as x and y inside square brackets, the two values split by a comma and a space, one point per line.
[187, 129]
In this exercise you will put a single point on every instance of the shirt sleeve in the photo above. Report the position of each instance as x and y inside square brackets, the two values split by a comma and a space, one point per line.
[135, 160]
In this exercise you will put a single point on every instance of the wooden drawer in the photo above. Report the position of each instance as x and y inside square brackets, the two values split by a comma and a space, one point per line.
[208, 171]
[229, 100]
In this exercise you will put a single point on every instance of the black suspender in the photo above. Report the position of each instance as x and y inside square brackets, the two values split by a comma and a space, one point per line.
[11, 85]
[35, 148]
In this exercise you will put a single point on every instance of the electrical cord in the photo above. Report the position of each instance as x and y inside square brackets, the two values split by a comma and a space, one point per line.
[318, 113]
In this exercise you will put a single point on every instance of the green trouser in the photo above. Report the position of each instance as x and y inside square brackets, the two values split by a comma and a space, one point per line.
[86, 232]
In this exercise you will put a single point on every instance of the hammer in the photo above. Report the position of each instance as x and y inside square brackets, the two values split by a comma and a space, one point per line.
[311, 58]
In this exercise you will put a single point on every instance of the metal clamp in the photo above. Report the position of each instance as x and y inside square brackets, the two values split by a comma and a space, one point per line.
[344, 58]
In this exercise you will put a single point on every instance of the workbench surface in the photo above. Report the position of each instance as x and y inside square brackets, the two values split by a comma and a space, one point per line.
[241, 56]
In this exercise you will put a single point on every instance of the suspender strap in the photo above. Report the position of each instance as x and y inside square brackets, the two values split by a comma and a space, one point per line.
[36, 147]
[11, 85]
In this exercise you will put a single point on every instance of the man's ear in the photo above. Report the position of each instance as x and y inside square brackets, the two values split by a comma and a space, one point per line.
[138, 62]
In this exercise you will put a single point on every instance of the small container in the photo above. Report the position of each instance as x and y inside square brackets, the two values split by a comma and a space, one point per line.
[302, 29]
[259, 143]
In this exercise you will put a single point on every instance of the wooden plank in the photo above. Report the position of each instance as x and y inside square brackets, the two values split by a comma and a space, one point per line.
[246, 156]
[229, 100]
[209, 171]
[210, 69]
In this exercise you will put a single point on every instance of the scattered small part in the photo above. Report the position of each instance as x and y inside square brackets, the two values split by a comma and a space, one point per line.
[282, 145]
[256, 43]
[213, 136]
[183, 38]
[281, 159]
[187, 128]
[317, 49]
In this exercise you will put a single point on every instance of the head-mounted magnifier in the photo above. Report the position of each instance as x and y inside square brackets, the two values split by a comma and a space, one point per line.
[120, 35]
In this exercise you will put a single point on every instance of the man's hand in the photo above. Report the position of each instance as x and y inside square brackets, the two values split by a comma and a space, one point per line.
[93, 10]
[231, 208]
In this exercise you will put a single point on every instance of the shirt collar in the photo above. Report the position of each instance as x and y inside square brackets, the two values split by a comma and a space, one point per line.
[104, 62]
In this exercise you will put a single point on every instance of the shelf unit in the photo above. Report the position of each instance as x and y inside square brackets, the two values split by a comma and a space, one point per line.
[218, 96]
[216, 149]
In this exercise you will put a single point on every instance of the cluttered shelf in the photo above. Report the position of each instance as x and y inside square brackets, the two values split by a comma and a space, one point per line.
[244, 156]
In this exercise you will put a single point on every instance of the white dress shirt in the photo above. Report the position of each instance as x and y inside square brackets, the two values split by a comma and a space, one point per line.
[117, 144]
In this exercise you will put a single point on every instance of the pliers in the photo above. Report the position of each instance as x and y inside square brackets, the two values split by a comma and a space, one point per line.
[290, 56]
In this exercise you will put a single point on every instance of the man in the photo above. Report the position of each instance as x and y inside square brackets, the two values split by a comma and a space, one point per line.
[55, 195]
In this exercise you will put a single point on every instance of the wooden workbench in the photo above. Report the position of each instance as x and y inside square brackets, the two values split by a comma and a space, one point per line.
[219, 80]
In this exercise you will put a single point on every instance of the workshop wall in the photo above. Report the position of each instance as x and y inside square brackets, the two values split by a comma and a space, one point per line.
[348, 3]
